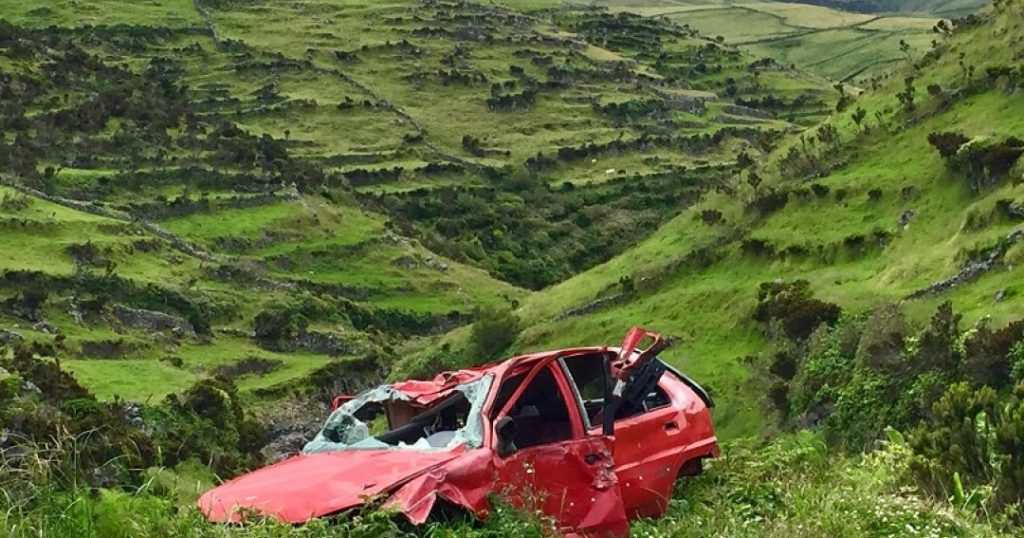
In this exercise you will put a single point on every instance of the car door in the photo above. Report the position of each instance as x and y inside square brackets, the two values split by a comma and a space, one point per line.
[555, 465]
[649, 432]
[649, 448]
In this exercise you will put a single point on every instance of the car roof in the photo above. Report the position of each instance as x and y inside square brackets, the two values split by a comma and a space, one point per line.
[441, 385]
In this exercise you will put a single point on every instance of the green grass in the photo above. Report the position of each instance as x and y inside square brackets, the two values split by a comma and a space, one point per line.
[141, 380]
[169, 13]
[829, 42]
[711, 307]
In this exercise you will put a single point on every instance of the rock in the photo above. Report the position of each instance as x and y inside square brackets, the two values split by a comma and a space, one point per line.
[10, 337]
[106, 349]
[30, 387]
[973, 269]
[1000, 295]
[407, 262]
[740, 110]
[326, 343]
[905, 218]
[75, 311]
[152, 320]
[815, 416]
[46, 327]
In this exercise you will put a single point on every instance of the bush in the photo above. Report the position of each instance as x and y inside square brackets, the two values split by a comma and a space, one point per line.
[882, 341]
[947, 143]
[987, 358]
[984, 161]
[791, 306]
[493, 332]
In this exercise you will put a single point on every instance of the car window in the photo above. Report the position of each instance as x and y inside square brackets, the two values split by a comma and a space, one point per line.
[541, 414]
[587, 373]
[655, 399]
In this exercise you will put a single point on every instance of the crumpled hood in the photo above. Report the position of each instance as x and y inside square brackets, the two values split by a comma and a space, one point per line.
[308, 486]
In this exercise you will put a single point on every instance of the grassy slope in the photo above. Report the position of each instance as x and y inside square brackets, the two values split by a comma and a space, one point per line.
[312, 242]
[710, 307]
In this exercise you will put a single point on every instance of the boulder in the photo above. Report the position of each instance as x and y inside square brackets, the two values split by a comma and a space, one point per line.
[10, 337]
[152, 320]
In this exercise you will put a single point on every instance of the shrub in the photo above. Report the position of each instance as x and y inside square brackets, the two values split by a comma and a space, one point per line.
[956, 438]
[987, 358]
[757, 247]
[711, 217]
[937, 349]
[947, 143]
[769, 202]
[493, 332]
[791, 305]
[882, 341]
[984, 161]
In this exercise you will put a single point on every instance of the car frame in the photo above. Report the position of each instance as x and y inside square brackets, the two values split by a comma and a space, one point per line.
[591, 436]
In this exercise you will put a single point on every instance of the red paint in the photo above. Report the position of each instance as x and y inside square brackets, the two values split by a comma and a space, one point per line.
[587, 481]
[309, 486]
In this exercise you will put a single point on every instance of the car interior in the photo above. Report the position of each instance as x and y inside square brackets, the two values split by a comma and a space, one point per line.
[540, 414]
[587, 372]
[438, 424]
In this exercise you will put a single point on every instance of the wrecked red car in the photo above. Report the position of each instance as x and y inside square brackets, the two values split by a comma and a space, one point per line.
[592, 436]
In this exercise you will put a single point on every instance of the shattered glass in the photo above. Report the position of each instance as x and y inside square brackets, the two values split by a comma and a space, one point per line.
[344, 430]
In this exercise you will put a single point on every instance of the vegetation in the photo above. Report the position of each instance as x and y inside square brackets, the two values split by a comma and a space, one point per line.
[854, 41]
[218, 215]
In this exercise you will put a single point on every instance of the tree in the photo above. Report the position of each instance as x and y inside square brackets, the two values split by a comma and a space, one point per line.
[858, 116]
[905, 48]
[906, 97]
[494, 331]
[844, 98]
[754, 180]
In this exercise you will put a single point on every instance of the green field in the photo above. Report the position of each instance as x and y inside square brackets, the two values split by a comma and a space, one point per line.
[230, 212]
[375, 172]
[840, 45]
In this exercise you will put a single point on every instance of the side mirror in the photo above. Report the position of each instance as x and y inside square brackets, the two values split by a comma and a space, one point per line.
[505, 428]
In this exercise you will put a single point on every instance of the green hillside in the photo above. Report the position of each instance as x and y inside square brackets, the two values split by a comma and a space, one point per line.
[943, 8]
[867, 213]
[330, 179]
[217, 215]
[825, 39]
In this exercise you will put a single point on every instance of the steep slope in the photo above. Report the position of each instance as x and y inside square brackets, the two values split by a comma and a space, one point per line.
[865, 210]
[257, 189]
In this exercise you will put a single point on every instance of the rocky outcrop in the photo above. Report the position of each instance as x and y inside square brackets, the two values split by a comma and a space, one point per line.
[594, 306]
[152, 320]
[972, 270]
[325, 343]
[10, 338]
[740, 110]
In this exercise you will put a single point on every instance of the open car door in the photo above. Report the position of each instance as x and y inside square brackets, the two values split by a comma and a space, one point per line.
[634, 372]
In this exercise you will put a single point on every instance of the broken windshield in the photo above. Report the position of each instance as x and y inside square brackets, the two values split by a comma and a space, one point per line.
[384, 417]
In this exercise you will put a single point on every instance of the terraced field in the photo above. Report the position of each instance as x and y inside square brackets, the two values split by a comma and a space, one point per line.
[196, 185]
[840, 45]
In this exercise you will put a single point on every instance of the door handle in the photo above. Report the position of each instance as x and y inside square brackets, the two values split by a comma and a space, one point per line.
[671, 426]
[591, 459]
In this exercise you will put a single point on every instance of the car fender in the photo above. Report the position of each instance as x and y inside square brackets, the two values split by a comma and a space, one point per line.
[464, 482]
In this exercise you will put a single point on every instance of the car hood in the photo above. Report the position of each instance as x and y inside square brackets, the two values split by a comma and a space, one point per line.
[308, 486]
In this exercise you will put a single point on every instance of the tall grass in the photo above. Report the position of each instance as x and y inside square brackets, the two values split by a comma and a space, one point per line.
[791, 487]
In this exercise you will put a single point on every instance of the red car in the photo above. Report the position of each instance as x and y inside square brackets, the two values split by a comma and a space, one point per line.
[591, 435]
